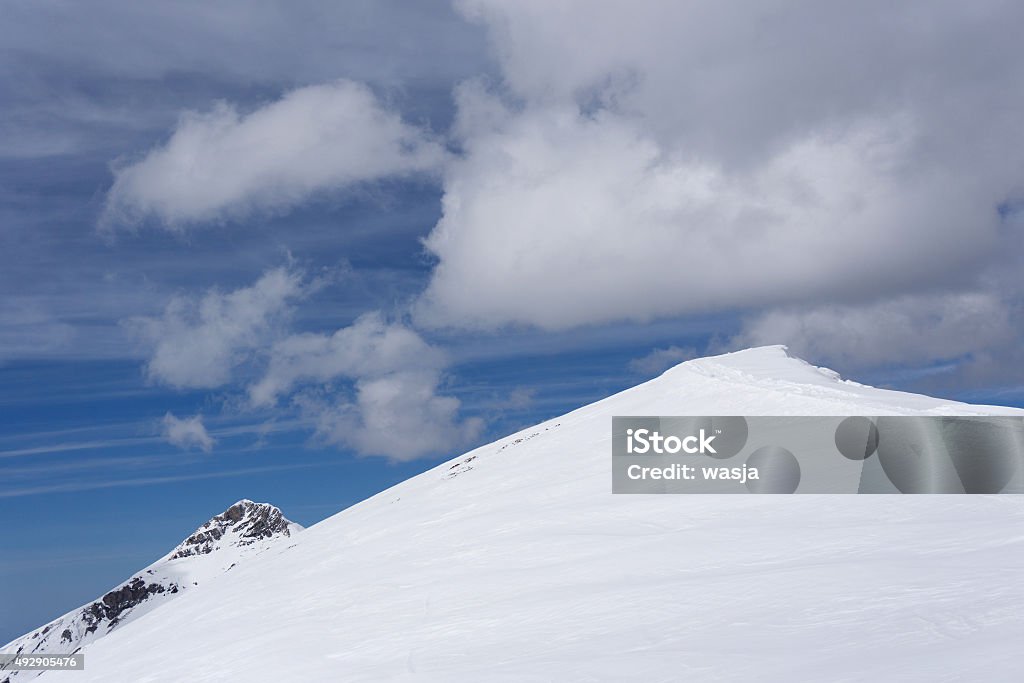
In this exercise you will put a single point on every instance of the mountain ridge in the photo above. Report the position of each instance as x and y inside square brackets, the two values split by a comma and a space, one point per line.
[513, 561]
[245, 528]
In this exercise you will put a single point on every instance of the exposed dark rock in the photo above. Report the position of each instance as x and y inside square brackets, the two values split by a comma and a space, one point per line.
[111, 606]
[128, 596]
[249, 521]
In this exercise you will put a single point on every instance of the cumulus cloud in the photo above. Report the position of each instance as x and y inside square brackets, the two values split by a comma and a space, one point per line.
[659, 360]
[838, 175]
[686, 158]
[225, 163]
[197, 343]
[370, 347]
[375, 386]
[560, 219]
[187, 432]
[913, 329]
[398, 415]
[730, 81]
[397, 411]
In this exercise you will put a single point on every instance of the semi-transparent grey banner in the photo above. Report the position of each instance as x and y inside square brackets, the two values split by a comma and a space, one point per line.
[905, 454]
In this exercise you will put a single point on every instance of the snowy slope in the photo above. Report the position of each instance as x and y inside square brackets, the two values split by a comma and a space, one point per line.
[515, 563]
[241, 532]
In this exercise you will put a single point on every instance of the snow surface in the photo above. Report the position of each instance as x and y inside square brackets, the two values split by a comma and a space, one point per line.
[515, 563]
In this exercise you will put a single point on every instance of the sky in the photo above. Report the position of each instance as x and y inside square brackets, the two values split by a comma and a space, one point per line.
[300, 251]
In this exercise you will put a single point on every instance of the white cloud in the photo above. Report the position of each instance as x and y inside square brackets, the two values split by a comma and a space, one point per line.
[913, 329]
[837, 168]
[558, 219]
[730, 81]
[370, 347]
[197, 343]
[398, 415]
[659, 360]
[187, 432]
[685, 158]
[374, 386]
[223, 163]
[397, 411]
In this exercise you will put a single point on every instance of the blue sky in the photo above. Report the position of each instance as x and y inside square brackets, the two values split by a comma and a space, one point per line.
[299, 252]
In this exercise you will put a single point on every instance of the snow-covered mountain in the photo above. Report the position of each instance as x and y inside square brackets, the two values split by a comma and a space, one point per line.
[241, 532]
[514, 562]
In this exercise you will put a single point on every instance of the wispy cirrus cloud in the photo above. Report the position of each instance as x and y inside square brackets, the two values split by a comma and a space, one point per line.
[63, 447]
[70, 487]
[30, 330]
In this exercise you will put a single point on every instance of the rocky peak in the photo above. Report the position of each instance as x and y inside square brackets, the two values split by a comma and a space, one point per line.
[242, 524]
[243, 530]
